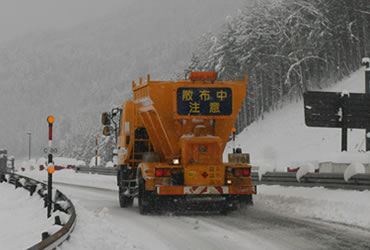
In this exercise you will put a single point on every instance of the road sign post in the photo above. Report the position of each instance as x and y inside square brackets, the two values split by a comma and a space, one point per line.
[343, 107]
[51, 168]
[366, 63]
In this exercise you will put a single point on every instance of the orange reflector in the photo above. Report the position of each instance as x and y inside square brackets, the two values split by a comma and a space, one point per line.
[50, 119]
[211, 76]
[241, 190]
[51, 169]
[168, 190]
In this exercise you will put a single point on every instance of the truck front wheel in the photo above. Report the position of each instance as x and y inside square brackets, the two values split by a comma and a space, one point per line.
[124, 200]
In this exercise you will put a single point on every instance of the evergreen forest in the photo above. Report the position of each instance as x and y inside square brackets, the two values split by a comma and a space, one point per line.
[286, 47]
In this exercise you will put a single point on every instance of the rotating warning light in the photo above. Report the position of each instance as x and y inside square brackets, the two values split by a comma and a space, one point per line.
[203, 76]
[50, 119]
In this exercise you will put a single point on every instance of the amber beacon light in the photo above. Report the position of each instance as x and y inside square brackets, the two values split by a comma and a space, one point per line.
[203, 76]
[50, 119]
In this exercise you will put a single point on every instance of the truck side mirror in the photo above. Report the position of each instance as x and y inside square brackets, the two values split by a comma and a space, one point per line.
[105, 119]
[106, 131]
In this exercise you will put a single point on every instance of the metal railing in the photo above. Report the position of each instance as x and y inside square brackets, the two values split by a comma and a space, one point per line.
[96, 170]
[327, 180]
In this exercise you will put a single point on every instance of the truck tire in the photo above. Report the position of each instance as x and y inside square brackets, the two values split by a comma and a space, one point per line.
[226, 208]
[145, 199]
[124, 200]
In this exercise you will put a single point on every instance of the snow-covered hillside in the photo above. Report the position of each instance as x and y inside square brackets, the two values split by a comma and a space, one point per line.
[282, 139]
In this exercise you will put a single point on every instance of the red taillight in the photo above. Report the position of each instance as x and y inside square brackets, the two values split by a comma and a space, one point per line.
[237, 172]
[242, 171]
[246, 172]
[160, 172]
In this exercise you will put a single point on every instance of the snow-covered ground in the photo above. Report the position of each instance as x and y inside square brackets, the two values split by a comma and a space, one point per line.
[342, 206]
[22, 218]
[68, 176]
[103, 224]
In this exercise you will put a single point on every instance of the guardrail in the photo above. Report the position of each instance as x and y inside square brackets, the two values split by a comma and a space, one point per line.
[61, 203]
[327, 180]
[96, 170]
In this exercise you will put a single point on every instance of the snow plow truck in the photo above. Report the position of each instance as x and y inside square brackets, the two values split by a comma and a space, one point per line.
[170, 142]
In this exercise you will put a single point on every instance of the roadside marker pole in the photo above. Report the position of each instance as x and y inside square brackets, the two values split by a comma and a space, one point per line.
[51, 168]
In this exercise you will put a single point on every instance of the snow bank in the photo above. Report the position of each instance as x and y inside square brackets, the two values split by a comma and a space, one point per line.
[64, 162]
[305, 168]
[353, 169]
[23, 218]
[343, 206]
[92, 161]
[109, 164]
[71, 177]
[27, 165]
[34, 164]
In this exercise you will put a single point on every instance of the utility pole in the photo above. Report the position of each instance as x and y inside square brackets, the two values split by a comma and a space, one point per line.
[29, 145]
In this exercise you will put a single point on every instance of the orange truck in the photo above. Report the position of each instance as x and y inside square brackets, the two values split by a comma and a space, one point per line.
[170, 141]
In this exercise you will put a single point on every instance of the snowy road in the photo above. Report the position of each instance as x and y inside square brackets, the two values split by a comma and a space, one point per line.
[102, 223]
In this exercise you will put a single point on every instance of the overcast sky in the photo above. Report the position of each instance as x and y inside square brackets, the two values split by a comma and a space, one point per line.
[18, 17]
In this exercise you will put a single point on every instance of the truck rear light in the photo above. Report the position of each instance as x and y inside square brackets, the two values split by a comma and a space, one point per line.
[159, 172]
[162, 172]
[246, 172]
[242, 172]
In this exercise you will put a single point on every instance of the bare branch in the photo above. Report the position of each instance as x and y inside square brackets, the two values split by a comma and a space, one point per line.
[363, 12]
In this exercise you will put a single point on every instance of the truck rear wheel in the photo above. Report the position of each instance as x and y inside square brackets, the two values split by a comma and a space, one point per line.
[246, 200]
[124, 200]
[146, 203]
